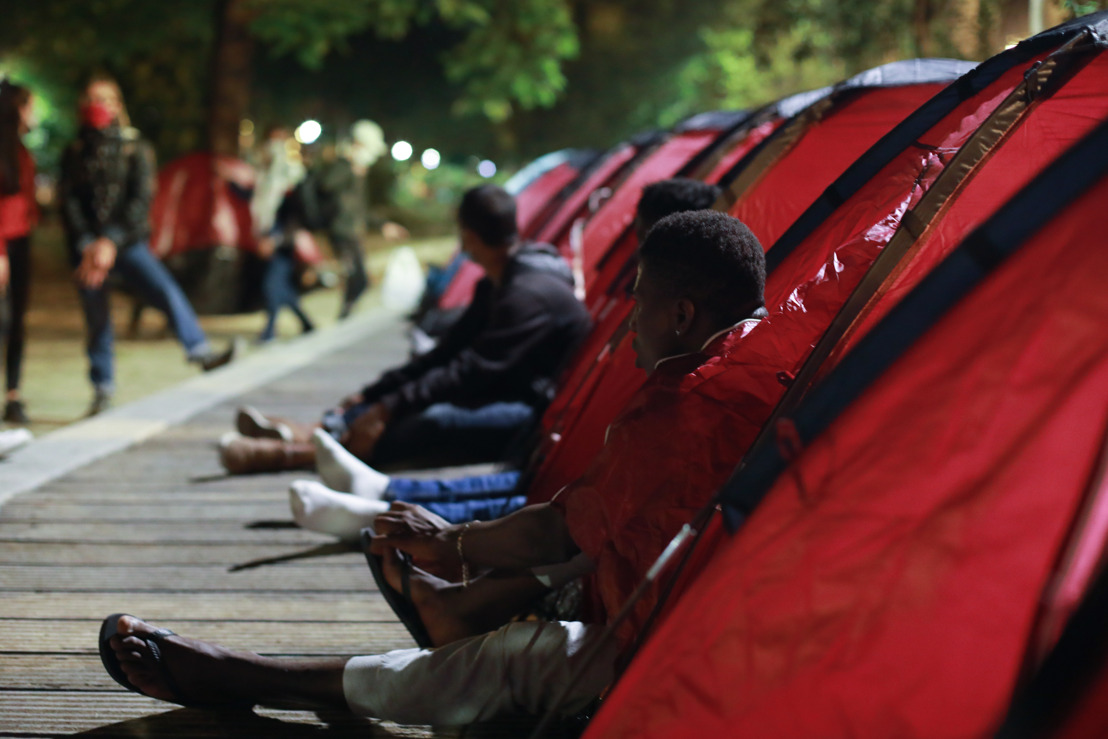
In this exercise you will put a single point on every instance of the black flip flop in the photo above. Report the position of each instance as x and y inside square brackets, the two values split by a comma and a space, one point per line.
[110, 627]
[401, 603]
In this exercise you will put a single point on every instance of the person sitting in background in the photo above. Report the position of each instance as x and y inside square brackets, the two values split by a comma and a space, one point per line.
[18, 216]
[482, 387]
[700, 281]
[105, 191]
[328, 508]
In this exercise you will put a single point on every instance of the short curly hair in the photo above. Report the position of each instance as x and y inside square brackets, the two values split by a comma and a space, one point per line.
[490, 212]
[710, 258]
[675, 195]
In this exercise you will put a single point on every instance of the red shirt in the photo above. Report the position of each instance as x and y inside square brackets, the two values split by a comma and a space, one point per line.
[666, 454]
[18, 212]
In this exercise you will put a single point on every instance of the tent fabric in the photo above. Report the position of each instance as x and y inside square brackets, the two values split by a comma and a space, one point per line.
[194, 208]
[792, 180]
[892, 552]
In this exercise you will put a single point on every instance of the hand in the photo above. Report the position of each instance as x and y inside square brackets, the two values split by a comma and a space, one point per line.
[4, 272]
[351, 400]
[96, 262]
[426, 537]
[266, 246]
[366, 430]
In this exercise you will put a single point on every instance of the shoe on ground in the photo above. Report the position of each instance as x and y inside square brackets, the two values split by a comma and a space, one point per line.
[101, 402]
[243, 456]
[13, 439]
[14, 412]
[210, 360]
[252, 423]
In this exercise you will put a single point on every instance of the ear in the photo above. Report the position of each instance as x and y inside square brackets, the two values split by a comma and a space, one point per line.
[684, 314]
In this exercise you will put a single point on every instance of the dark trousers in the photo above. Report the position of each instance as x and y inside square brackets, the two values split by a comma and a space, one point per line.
[444, 434]
[16, 299]
[349, 251]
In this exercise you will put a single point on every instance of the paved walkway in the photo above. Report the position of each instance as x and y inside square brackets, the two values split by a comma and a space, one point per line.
[131, 512]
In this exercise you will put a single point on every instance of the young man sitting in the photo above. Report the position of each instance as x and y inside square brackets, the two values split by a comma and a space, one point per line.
[700, 281]
[481, 388]
[326, 507]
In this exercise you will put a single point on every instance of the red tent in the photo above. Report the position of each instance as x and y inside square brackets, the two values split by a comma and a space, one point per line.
[606, 377]
[888, 583]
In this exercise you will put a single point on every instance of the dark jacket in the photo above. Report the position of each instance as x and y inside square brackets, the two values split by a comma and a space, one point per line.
[509, 345]
[106, 188]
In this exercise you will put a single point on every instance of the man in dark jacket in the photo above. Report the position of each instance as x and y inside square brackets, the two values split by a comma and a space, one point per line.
[480, 388]
[105, 189]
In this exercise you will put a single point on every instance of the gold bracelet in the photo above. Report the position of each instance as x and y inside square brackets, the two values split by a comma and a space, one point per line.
[462, 556]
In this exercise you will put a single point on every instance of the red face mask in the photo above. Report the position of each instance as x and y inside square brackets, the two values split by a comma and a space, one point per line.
[96, 115]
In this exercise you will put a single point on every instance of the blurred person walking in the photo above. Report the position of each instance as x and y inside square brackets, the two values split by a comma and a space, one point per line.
[105, 191]
[276, 214]
[340, 210]
[18, 216]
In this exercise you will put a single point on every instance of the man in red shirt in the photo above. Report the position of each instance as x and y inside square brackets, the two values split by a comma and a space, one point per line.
[698, 292]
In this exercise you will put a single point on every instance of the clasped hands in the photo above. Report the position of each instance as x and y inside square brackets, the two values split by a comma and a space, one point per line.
[97, 260]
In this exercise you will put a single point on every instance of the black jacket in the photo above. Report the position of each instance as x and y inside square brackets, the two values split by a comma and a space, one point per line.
[509, 345]
[106, 188]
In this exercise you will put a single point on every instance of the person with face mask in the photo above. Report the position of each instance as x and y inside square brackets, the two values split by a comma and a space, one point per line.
[105, 191]
[18, 216]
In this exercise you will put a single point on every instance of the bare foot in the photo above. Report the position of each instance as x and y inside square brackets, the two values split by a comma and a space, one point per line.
[432, 597]
[192, 672]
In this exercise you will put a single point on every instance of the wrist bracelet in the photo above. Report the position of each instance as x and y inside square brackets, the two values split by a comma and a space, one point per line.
[462, 557]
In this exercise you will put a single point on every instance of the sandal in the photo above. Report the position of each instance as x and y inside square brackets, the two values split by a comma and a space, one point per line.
[400, 602]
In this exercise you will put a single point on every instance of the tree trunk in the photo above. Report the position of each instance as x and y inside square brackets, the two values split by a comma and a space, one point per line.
[230, 76]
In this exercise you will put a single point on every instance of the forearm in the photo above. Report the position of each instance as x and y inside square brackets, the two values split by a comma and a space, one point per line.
[531, 537]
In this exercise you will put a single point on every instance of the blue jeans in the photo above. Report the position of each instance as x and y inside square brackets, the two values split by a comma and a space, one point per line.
[475, 498]
[148, 277]
[279, 290]
[444, 433]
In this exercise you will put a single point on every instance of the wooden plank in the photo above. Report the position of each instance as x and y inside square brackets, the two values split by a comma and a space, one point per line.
[188, 578]
[264, 637]
[155, 553]
[364, 605]
[277, 532]
[123, 714]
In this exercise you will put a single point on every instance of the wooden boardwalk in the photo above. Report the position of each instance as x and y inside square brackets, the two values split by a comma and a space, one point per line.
[159, 531]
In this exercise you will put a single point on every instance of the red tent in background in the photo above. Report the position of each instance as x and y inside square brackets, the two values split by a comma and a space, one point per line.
[888, 585]
[201, 229]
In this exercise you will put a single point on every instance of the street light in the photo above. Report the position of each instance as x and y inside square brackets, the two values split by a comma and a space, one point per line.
[401, 151]
[308, 131]
[486, 168]
[430, 158]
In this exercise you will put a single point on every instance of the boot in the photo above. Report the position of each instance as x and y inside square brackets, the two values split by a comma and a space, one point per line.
[242, 456]
[252, 423]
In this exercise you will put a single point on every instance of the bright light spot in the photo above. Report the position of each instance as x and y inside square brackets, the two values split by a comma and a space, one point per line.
[308, 131]
[486, 168]
[401, 151]
[246, 127]
[430, 158]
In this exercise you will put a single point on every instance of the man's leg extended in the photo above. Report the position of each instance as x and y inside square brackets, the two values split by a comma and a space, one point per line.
[521, 667]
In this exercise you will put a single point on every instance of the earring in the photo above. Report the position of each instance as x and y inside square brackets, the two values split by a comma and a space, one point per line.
[677, 332]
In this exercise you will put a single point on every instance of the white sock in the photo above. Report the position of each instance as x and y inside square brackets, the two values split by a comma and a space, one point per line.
[316, 508]
[344, 472]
